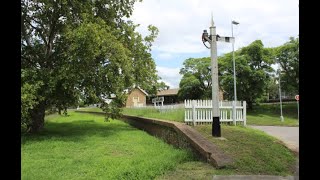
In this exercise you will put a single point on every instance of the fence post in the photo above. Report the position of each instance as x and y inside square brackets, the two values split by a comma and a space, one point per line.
[244, 113]
[194, 112]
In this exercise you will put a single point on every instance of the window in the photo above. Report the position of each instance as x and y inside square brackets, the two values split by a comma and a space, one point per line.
[135, 99]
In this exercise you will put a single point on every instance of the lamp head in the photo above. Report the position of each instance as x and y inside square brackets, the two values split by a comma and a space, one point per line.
[235, 22]
[204, 34]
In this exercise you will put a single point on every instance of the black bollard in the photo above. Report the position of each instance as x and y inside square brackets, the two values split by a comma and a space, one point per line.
[216, 129]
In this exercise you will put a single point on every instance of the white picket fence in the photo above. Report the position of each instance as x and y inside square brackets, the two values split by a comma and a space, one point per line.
[200, 112]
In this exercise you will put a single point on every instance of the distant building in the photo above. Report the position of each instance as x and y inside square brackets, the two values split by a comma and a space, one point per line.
[136, 98]
[170, 96]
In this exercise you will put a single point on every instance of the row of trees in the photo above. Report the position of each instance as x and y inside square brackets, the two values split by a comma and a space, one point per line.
[73, 50]
[255, 76]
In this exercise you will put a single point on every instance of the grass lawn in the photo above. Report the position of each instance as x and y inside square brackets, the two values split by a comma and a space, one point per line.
[269, 115]
[92, 109]
[264, 114]
[174, 115]
[254, 152]
[83, 146]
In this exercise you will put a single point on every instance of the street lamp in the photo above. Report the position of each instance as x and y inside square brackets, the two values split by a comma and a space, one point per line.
[279, 72]
[234, 75]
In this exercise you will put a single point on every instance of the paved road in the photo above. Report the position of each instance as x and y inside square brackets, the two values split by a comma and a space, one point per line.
[289, 135]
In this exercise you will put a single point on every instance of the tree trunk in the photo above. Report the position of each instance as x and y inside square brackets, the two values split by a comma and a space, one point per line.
[37, 116]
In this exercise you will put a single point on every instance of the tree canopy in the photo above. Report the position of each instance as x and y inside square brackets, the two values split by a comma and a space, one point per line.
[288, 57]
[253, 68]
[196, 79]
[73, 50]
[253, 65]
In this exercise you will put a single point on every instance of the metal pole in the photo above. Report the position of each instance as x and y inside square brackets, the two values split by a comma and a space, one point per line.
[216, 130]
[234, 79]
[281, 117]
[298, 110]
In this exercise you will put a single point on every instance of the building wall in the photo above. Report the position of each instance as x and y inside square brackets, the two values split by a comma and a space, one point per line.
[138, 95]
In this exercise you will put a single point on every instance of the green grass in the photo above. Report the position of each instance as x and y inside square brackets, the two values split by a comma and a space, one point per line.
[91, 109]
[265, 114]
[83, 146]
[269, 115]
[253, 152]
[174, 115]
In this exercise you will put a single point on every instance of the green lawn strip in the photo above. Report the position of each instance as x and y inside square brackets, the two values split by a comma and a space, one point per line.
[269, 115]
[149, 112]
[92, 109]
[83, 146]
[173, 115]
[254, 151]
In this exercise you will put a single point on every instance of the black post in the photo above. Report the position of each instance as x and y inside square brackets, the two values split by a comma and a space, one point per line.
[216, 129]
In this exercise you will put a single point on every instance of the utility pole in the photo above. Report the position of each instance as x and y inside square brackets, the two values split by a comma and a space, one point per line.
[212, 39]
[234, 76]
[281, 117]
[216, 129]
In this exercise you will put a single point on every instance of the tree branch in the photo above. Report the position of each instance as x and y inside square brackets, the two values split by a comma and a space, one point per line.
[38, 30]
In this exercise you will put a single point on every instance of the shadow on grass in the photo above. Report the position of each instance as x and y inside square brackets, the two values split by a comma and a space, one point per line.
[76, 131]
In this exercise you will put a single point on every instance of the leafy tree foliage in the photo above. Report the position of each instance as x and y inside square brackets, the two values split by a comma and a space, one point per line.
[288, 57]
[73, 50]
[196, 79]
[253, 65]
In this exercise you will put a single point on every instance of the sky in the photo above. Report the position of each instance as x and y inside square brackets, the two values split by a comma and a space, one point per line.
[181, 23]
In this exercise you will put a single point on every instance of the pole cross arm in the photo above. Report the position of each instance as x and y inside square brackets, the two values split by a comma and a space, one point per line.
[225, 39]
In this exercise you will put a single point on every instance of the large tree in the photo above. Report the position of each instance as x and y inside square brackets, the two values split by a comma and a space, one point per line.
[196, 79]
[253, 65]
[79, 49]
[288, 57]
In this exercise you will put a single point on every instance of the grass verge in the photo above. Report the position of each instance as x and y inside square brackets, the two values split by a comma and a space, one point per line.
[83, 146]
[254, 153]
[264, 114]
[269, 115]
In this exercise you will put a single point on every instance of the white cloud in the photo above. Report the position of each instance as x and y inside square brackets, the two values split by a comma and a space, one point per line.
[181, 22]
[170, 76]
